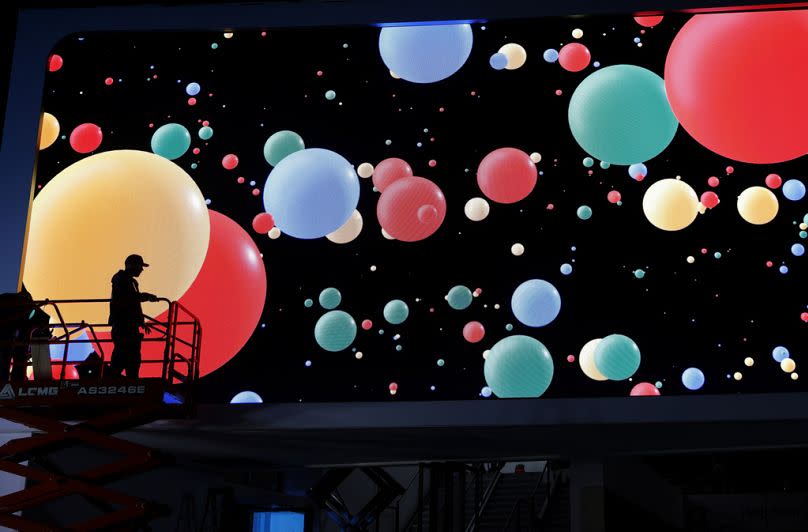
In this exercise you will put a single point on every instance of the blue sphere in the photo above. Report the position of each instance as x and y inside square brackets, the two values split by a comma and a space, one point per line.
[784, 269]
[171, 141]
[396, 311]
[693, 378]
[311, 193]
[780, 353]
[335, 330]
[193, 89]
[425, 54]
[77, 350]
[637, 171]
[486, 391]
[518, 366]
[794, 189]
[498, 61]
[330, 298]
[798, 250]
[550, 55]
[243, 398]
[617, 357]
[566, 269]
[536, 303]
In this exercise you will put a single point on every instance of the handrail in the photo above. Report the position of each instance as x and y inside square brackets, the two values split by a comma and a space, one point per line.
[518, 504]
[179, 322]
[489, 491]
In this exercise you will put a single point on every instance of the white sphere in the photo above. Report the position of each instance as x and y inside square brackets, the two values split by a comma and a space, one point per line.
[517, 249]
[477, 209]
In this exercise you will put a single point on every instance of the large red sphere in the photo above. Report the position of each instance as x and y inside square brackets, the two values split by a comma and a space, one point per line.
[506, 175]
[574, 57]
[644, 389]
[388, 171]
[227, 296]
[411, 209]
[86, 138]
[737, 83]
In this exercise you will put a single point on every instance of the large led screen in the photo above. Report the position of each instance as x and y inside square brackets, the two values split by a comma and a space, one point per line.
[560, 207]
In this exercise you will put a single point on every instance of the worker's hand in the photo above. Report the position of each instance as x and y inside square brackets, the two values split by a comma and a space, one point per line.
[153, 298]
[146, 329]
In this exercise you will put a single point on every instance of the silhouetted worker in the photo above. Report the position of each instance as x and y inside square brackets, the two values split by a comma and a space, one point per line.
[126, 318]
[18, 318]
[34, 334]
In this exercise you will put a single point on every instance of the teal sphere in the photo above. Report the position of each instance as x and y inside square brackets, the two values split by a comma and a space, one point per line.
[584, 212]
[396, 311]
[171, 141]
[617, 357]
[205, 132]
[330, 95]
[459, 297]
[335, 330]
[621, 114]
[588, 162]
[308, 303]
[518, 366]
[330, 298]
[280, 144]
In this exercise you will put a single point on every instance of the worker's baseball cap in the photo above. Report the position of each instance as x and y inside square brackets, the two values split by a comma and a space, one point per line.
[136, 260]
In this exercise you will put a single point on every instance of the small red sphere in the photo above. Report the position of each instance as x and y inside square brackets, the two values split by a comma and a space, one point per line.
[229, 161]
[55, 62]
[613, 196]
[713, 181]
[432, 163]
[773, 181]
[255, 192]
[192, 101]
[804, 317]
[709, 199]
[367, 324]
[109, 81]
[240, 180]
[769, 264]
[730, 170]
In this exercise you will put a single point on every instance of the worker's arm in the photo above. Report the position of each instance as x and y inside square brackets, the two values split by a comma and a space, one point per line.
[144, 296]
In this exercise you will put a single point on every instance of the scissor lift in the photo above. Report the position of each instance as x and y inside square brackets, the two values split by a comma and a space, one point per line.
[67, 411]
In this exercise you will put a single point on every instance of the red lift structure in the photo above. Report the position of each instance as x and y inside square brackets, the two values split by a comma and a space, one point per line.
[69, 410]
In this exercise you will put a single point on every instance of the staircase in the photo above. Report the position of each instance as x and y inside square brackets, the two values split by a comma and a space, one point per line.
[468, 506]
[511, 487]
[557, 516]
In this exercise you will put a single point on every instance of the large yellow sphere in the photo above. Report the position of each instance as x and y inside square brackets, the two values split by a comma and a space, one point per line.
[49, 132]
[349, 230]
[788, 365]
[586, 358]
[670, 204]
[96, 212]
[758, 205]
[516, 55]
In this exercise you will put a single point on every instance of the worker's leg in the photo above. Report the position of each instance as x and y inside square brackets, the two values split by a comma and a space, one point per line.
[20, 363]
[133, 361]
